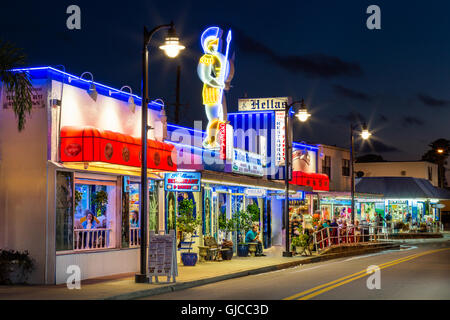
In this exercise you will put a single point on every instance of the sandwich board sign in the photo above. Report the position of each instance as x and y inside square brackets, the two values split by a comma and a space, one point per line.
[162, 259]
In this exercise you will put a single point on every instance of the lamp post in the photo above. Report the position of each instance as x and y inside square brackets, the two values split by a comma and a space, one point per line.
[365, 134]
[171, 48]
[303, 116]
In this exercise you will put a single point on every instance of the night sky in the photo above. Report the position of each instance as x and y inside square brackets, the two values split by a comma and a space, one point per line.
[396, 79]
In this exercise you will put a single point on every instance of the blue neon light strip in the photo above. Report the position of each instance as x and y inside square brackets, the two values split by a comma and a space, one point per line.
[189, 129]
[302, 145]
[127, 94]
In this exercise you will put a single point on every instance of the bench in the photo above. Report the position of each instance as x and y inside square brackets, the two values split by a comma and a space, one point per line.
[211, 250]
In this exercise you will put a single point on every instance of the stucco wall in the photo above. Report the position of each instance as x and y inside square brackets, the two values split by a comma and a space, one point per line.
[23, 184]
[416, 169]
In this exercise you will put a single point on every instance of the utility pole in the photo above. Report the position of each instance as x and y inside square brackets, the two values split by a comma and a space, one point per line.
[177, 101]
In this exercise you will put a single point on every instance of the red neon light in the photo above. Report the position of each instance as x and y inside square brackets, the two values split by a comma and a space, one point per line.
[89, 144]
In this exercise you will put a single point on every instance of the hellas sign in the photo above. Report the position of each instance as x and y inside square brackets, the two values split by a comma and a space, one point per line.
[261, 104]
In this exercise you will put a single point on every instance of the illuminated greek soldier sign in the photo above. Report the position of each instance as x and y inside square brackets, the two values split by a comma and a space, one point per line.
[214, 71]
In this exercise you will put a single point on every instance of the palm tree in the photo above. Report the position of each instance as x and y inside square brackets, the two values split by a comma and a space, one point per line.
[16, 82]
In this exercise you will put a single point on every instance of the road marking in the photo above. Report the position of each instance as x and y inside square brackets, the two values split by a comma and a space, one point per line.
[307, 294]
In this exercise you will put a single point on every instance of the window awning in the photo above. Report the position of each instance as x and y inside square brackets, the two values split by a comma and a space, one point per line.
[93, 145]
[317, 181]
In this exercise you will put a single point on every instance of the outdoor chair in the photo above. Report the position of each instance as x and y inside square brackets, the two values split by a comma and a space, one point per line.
[211, 250]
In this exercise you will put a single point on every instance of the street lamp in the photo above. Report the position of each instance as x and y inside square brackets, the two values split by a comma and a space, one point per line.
[303, 116]
[171, 47]
[365, 134]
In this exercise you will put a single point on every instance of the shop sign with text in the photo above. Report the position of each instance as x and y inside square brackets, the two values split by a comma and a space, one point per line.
[246, 162]
[183, 181]
[261, 104]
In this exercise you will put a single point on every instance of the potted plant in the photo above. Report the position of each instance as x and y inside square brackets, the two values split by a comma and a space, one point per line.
[228, 226]
[243, 224]
[300, 243]
[100, 200]
[187, 225]
[254, 212]
[15, 266]
[405, 227]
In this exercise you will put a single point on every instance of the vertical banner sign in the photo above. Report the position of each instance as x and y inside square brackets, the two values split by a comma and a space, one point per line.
[230, 142]
[222, 140]
[280, 140]
[225, 137]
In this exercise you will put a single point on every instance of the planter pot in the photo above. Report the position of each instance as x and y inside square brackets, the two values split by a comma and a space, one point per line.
[228, 254]
[12, 273]
[242, 250]
[189, 258]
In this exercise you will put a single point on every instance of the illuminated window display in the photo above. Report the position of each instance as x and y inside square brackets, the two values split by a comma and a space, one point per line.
[95, 214]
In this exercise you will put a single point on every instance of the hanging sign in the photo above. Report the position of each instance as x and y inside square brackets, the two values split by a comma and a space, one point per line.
[255, 192]
[260, 104]
[182, 181]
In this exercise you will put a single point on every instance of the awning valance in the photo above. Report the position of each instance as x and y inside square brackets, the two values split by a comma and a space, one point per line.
[247, 181]
[89, 144]
[317, 181]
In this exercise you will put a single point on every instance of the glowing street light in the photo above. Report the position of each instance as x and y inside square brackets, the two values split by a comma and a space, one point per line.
[172, 46]
[303, 116]
[365, 134]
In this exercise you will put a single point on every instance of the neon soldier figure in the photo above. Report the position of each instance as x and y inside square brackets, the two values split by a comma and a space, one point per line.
[213, 69]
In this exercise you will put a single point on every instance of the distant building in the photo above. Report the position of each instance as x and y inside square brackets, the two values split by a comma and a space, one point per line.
[335, 163]
[414, 169]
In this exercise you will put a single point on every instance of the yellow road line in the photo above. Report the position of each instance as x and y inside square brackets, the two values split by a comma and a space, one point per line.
[354, 276]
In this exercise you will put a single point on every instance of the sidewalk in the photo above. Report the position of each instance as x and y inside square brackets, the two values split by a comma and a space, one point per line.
[124, 287]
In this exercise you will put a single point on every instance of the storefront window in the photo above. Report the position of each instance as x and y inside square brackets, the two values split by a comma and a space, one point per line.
[64, 210]
[95, 214]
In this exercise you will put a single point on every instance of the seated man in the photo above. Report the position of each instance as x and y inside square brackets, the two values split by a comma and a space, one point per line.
[252, 236]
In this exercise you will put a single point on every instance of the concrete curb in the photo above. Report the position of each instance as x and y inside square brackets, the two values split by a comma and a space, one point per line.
[191, 284]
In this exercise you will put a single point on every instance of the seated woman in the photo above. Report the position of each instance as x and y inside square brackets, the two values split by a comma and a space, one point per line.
[134, 223]
[89, 223]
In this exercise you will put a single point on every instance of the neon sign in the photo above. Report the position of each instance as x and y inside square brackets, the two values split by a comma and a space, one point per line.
[214, 71]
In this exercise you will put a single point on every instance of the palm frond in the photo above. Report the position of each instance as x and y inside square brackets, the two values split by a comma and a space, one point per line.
[18, 83]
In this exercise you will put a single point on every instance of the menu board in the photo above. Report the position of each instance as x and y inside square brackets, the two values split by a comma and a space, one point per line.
[162, 259]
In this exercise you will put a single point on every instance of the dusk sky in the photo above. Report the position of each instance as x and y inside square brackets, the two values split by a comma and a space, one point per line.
[396, 79]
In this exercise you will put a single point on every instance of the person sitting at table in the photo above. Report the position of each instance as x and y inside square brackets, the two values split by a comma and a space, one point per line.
[252, 236]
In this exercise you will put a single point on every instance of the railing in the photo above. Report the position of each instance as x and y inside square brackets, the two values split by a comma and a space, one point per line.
[89, 239]
[329, 236]
[135, 237]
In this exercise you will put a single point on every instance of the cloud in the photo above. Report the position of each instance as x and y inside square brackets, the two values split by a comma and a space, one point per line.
[350, 93]
[432, 102]
[352, 117]
[316, 65]
[376, 146]
[412, 121]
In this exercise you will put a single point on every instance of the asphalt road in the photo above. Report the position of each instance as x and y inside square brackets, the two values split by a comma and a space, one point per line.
[420, 270]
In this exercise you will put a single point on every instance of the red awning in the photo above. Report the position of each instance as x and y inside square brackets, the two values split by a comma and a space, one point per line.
[317, 181]
[89, 144]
